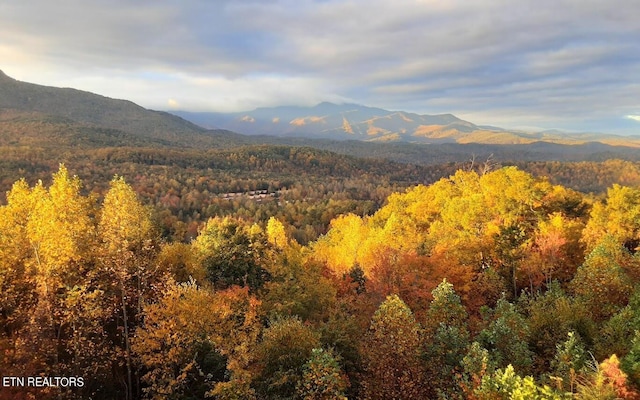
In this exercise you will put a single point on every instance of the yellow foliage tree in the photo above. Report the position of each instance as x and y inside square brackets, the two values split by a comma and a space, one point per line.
[276, 233]
[192, 338]
[124, 222]
[618, 217]
[47, 241]
[340, 247]
[60, 228]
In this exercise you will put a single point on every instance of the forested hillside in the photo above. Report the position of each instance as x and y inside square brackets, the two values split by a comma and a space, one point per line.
[491, 283]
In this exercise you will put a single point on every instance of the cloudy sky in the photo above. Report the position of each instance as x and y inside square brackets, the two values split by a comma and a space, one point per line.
[539, 64]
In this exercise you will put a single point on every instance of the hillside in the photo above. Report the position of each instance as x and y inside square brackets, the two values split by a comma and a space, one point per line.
[89, 110]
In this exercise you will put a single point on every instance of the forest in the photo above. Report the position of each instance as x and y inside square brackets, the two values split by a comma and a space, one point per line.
[487, 283]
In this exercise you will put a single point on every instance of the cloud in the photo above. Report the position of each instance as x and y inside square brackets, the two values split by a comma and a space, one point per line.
[634, 117]
[527, 61]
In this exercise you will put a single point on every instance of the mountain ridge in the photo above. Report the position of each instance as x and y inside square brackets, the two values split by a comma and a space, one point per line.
[350, 121]
[48, 117]
[97, 111]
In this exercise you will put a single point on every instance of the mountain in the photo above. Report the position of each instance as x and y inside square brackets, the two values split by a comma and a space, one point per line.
[357, 122]
[333, 121]
[39, 117]
[64, 107]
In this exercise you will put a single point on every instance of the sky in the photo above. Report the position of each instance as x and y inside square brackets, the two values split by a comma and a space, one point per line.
[526, 64]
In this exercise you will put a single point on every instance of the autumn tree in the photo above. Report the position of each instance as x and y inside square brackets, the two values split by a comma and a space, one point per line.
[61, 233]
[391, 353]
[475, 365]
[322, 378]
[606, 381]
[630, 364]
[555, 251]
[128, 248]
[298, 286]
[617, 217]
[617, 334]
[342, 333]
[124, 222]
[600, 282]
[570, 362]
[285, 348]
[300, 289]
[340, 247]
[54, 236]
[506, 384]
[17, 280]
[176, 347]
[178, 260]
[233, 253]
[195, 342]
[276, 233]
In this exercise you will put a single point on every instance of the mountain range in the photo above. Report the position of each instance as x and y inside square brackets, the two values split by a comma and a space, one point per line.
[357, 122]
[47, 117]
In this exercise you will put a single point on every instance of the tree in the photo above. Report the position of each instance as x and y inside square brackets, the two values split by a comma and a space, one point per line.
[285, 348]
[600, 282]
[298, 288]
[445, 309]
[510, 247]
[475, 364]
[124, 222]
[178, 260]
[555, 252]
[52, 247]
[175, 346]
[127, 252]
[60, 227]
[606, 381]
[506, 337]
[61, 234]
[569, 362]
[446, 340]
[391, 353]
[505, 384]
[343, 335]
[276, 233]
[233, 253]
[630, 364]
[618, 217]
[552, 315]
[322, 378]
[17, 282]
[341, 246]
[195, 342]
